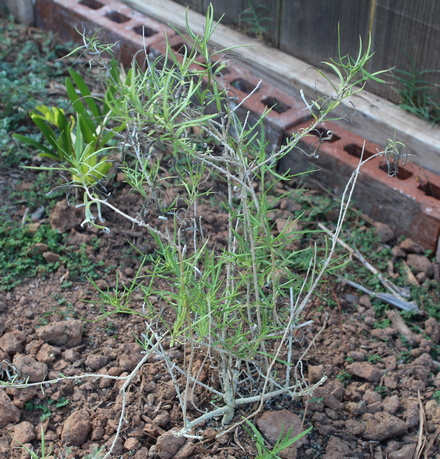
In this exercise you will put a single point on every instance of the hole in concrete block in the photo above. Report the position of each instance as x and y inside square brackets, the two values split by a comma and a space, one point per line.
[430, 190]
[93, 4]
[275, 104]
[181, 48]
[402, 174]
[356, 151]
[325, 135]
[144, 31]
[243, 85]
[115, 16]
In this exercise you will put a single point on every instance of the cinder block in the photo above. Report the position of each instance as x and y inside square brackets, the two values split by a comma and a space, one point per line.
[257, 97]
[117, 23]
[409, 202]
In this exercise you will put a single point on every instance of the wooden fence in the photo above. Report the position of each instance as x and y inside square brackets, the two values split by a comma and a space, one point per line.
[401, 30]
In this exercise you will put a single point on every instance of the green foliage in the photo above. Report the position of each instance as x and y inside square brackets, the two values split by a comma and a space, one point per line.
[344, 376]
[352, 75]
[284, 441]
[26, 80]
[381, 324]
[419, 96]
[256, 20]
[20, 257]
[239, 300]
[78, 142]
[381, 390]
[374, 358]
[46, 407]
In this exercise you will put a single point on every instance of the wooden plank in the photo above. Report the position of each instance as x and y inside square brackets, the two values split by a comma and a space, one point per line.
[376, 118]
[309, 28]
[196, 5]
[406, 26]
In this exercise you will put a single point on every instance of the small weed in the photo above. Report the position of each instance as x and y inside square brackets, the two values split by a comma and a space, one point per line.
[384, 323]
[419, 96]
[349, 359]
[374, 358]
[344, 376]
[404, 357]
[46, 407]
[381, 390]
[284, 440]
[436, 396]
[256, 20]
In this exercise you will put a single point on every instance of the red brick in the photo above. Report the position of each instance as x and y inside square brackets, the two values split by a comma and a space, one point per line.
[409, 203]
[118, 23]
[282, 110]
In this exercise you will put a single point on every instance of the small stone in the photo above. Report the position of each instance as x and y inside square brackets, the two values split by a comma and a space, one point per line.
[30, 368]
[12, 343]
[356, 408]
[365, 370]
[168, 444]
[96, 361]
[23, 433]
[356, 428]
[365, 301]
[273, 423]
[409, 246]
[407, 452]
[432, 329]
[398, 252]
[391, 404]
[337, 448]
[41, 247]
[421, 278]
[8, 411]
[316, 372]
[77, 428]
[48, 353]
[51, 257]
[357, 356]
[65, 217]
[67, 333]
[132, 444]
[384, 232]
[131, 354]
[420, 264]
[186, 451]
[390, 362]
[162, 419]
[382, 426]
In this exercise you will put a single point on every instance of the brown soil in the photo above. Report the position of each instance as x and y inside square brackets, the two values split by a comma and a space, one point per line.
[376, 403]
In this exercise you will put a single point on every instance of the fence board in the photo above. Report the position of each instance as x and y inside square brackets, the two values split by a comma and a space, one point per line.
[406, 26]
[309, 28]
[196, 5]
[230, 8]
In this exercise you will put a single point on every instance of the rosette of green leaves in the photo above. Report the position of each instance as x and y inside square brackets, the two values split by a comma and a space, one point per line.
[76, 144]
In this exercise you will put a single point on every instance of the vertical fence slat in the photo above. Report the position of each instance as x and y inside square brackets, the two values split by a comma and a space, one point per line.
[309, 28]
[230, 8]
[406, 26]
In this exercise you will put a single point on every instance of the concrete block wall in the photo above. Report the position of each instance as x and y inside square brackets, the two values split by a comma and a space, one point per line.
[410, 202]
